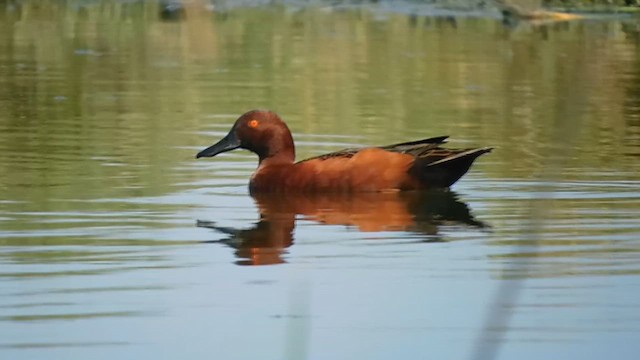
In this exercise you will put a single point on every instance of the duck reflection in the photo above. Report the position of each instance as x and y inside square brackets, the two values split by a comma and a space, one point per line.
[415, 212]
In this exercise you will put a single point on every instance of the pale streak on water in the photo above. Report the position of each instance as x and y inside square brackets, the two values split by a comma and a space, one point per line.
[102, 109]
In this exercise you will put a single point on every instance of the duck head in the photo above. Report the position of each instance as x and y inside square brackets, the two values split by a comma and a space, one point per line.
[259, 131]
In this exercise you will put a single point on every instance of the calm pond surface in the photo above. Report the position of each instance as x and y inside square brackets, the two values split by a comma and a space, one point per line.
[116, 243]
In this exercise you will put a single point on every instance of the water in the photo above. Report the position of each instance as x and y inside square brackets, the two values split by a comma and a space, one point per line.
[115, 242]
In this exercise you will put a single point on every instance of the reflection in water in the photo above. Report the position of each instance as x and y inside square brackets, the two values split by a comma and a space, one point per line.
[415, 212]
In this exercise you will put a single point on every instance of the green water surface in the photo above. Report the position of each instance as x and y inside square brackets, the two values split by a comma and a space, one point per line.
[116, 243]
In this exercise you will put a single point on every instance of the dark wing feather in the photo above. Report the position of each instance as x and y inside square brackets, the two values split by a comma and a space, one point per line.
[415, 148]
[442, 167]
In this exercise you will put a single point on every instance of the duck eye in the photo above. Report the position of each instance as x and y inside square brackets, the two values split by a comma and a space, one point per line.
[254, 123]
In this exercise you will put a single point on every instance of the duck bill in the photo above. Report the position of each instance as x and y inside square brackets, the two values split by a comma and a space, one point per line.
[227, 143]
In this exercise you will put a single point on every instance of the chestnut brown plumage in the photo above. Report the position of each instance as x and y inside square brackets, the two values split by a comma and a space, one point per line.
[414, 165]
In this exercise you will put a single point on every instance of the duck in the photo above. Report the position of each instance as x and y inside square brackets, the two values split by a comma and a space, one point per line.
[414, 165]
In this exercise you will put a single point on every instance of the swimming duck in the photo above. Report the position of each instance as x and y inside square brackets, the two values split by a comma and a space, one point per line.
[413, 165]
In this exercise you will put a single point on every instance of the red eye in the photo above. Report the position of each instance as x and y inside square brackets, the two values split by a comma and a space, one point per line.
[254, 123]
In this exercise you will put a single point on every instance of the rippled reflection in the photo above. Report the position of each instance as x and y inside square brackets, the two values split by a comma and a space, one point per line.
[419, 213]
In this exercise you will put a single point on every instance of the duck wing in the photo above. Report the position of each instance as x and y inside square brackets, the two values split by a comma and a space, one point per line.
[441, 168]
[418, 147]
[415, 148]
[433, 166]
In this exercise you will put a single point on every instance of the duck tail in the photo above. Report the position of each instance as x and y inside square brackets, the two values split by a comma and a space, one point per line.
[444, 172]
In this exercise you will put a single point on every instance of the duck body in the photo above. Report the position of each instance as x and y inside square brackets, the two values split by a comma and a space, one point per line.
[415, 165]
[371, 169]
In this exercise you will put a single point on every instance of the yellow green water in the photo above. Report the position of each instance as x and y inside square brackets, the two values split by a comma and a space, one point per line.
[103, 106]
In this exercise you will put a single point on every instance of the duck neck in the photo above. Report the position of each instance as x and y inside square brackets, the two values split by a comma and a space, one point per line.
[277, 159]
[280, 151]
